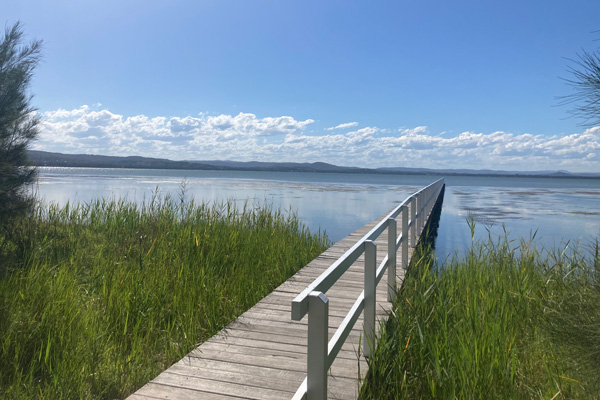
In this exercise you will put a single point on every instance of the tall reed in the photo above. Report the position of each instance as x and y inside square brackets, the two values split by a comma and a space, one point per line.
[505, 322]
[97, 298]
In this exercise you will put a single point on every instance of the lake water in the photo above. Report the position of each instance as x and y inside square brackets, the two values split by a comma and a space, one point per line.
[557, 210]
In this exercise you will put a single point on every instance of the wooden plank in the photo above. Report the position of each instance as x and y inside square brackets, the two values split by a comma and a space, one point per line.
[269, 343]
[253, 357]
[236, 378]
[154, 390]
[217, 387]
[256, 371]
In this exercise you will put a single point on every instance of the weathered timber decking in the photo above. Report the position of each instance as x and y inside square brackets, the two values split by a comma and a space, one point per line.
[262, 354]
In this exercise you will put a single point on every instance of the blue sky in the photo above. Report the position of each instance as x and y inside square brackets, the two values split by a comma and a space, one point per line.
[461, 84]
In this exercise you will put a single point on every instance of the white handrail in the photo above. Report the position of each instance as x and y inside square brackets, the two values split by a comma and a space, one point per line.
[313, 300]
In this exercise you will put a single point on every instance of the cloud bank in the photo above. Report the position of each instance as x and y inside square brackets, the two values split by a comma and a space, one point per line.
[246, 137]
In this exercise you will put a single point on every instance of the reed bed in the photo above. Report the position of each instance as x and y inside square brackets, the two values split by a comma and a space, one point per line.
[97, 298]
[505, 322]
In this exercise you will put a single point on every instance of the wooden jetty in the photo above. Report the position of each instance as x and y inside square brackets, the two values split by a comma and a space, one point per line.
[263, 353]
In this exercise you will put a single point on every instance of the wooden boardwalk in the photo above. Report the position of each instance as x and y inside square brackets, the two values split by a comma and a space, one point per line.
[262, 354]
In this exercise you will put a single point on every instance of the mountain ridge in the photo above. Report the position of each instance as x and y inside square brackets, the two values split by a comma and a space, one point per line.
[50, 159]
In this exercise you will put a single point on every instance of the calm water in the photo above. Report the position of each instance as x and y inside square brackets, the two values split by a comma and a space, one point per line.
[557, 210]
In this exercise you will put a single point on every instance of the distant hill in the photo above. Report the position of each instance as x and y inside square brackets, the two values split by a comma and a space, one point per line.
[282, 166]
[48, 159]
[489, 172]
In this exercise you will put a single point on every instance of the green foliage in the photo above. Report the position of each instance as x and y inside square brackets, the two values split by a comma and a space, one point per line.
[18, 123]
[504, 323]
[101, 297]
[585, 82]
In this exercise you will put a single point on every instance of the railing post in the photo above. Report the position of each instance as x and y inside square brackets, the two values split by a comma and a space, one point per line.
[418, 216]
[413, 222]
[424, 205]
[316, 365]
[422, 211]
[431, 199]
[404, 211]
[392, 234]
[370, 297]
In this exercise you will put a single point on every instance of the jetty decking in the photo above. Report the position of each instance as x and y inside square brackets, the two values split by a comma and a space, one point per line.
[263, 353]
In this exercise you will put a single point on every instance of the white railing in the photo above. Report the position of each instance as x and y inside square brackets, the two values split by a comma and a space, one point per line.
[313, 301]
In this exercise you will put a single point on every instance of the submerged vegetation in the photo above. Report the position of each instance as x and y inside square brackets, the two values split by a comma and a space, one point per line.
[96, 299]
[505, 322]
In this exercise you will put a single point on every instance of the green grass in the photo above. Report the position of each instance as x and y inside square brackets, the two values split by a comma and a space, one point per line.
[505, 322]
[96, 299]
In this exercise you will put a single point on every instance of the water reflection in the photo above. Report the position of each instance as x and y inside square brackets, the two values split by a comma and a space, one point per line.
[336, 207]
[554, 216]
[554, 210]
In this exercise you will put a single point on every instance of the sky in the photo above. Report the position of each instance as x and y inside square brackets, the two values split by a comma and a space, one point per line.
[431, 84]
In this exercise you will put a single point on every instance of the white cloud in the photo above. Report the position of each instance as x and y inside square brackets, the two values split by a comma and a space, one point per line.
[414, 131]
[344, 126]
[246, 137]
[247, 125]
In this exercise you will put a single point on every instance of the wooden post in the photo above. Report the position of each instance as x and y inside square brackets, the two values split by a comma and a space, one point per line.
[316, 365]
[370, 297]
[421, 211]
[419, 202]
[405, 235]
[413, 222]
[392, 233]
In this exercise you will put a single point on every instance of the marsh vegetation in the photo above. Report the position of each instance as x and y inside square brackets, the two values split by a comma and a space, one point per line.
[506, 321]
[97, 298]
